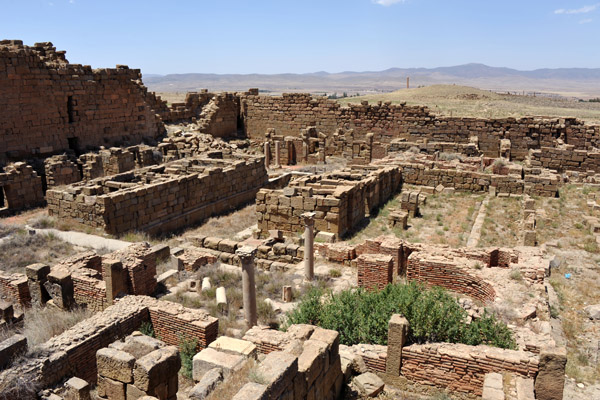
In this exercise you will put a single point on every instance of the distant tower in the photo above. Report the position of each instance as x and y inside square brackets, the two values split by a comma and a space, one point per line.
[408, 82]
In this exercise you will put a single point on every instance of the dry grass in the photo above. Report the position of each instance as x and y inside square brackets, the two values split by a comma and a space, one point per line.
[446, 219]
[501, 226]
[463, 101]
[225, 226]
[41, 324]
[22, 249]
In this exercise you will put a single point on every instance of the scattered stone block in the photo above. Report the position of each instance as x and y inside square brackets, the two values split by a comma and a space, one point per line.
[210, 358]
[369, 384]
[207, 384]
[115, 364]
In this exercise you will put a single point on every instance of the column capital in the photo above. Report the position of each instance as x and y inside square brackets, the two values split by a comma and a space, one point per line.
[246, 254]
[309, 218]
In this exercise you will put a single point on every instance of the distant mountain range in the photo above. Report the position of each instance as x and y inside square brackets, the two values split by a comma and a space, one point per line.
[575, 82]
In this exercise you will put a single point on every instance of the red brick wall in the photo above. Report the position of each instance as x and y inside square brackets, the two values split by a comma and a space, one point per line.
[445, 273]
[173, 323]
[90, 292]
[462, 368]
[375, 271]
[14, 288]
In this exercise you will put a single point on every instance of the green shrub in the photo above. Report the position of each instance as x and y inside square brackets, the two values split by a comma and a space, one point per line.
[147, 329]
[433, 315]
[187, 351]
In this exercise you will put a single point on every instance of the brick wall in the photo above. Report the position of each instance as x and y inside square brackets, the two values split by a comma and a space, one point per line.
[439, 271]
[60, 170]
[173, 323]
[14, 288]
[73, 352]
[46, 102]
[158, 199]
[462, 368]
[375, 271]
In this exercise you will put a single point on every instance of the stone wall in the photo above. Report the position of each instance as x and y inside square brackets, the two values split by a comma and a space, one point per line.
[73, 353]
[311, 370]
[20, 187]
[440, 271]
[291, 113]
[49, 105]
[340, 200]
[162, 198]
[60, 170]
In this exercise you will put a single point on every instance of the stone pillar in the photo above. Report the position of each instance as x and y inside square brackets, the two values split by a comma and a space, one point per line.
[309, 256]
[397, 333]
[550, 380]
[267, 154]
[60, 288]
[37, 275]
[277, 154]
[286, 294]
[7, 312]
[115, 278]
[246, 255]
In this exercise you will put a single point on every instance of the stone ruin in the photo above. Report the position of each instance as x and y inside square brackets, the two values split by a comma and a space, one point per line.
[100, 150]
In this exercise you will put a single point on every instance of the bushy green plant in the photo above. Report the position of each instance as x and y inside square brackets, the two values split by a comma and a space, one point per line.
[434, 316]
[147, 329]
[187, 351]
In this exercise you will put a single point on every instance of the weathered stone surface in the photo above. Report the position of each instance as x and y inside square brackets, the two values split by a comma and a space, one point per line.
[234, 346]
[252, 391]
[278, 369]
[207, 384]
[151, 369]
[550, 380]
[115, 364]
[593, 311]
[78, 389]
[493, 388]
[369, 384]
[210, 358]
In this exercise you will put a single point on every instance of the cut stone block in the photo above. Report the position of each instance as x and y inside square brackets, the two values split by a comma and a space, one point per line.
[234, 346]
[210, 358]
[207, 384]
[369, 384]
[115, 364]
[151, 370]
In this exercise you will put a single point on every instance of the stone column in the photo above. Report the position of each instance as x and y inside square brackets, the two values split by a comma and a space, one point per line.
[397, 332]
[267, 154]
[277, 154]
[246, 255]
[309, 256]
[37, 275]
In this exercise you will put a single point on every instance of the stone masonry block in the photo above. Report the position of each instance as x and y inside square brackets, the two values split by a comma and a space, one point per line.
[115, 364]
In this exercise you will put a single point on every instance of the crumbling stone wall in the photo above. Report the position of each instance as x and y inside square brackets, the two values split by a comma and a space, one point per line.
[161, 198]
[73, 353]
[22, 187]
[375, 271]
[340, 200]
[565, 158]
[49, 105]
[60, 170]
[291, 113]
[312, 369]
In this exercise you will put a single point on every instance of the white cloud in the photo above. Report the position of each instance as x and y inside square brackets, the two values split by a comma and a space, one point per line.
[585, 21]
[582, 10]
[386, 3]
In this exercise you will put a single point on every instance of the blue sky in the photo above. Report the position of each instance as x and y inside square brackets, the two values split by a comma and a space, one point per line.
[237, 36]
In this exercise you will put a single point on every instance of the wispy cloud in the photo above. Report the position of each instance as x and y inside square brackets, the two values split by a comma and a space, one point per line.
[582, 10]
[387, 3]
[585, 21]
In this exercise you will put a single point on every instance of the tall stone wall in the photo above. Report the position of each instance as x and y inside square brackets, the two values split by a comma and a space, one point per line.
[48, 105]
[291, 113]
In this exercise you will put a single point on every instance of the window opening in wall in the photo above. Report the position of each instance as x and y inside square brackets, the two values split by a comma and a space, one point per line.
[74, 145]
[70, 110]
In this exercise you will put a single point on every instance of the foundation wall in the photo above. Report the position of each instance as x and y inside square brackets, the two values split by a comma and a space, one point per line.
[375, 271]
[180, 197]
[22, 187]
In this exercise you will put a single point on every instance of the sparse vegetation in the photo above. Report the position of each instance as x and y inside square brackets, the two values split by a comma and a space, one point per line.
[22, 249]
[187, 351]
